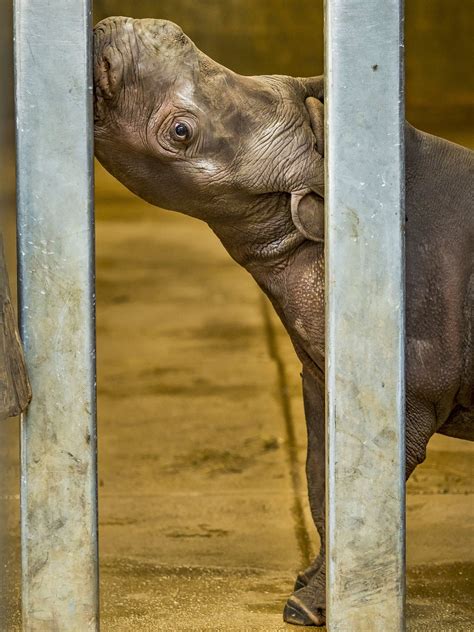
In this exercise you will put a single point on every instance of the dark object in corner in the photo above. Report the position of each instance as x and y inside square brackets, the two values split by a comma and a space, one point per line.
[15, 389]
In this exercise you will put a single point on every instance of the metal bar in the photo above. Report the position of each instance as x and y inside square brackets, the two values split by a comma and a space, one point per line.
[54, 117]
[365, 314]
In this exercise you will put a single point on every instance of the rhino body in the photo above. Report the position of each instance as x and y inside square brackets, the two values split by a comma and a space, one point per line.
[245, 154]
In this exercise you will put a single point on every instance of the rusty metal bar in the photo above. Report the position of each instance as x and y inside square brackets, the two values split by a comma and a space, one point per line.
[54, 126]
[365, 315]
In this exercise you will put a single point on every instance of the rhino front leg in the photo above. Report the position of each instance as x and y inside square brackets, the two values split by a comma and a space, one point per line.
[307, 604]
[313, 396]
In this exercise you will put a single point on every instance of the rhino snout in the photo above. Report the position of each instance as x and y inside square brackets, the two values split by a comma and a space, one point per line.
[108, 57]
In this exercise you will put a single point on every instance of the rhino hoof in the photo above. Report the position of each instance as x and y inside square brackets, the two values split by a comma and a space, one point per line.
[297, 613]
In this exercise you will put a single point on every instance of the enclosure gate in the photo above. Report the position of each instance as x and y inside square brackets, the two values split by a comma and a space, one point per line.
[365, 314]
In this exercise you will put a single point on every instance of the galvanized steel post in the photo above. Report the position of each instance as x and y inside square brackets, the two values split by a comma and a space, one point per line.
[56, 291]
[365, 314]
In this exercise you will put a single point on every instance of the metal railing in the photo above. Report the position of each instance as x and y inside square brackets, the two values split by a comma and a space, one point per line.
[365, 482]
[365, 314]
[53, 80]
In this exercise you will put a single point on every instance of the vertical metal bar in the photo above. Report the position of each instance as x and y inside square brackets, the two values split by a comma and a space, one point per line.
[56, 275]
[365, 314]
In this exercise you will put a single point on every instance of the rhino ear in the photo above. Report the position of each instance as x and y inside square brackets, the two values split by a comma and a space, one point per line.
[307, 211]
[316, 114]
[307, 207]
[314, 86]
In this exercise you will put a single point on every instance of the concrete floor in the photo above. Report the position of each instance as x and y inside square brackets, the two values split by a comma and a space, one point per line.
[203, 513]
[204, 519]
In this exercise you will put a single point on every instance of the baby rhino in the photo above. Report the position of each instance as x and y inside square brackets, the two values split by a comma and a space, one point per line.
[245, 155]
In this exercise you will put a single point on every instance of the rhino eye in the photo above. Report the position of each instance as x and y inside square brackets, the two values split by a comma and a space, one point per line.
[182, 131]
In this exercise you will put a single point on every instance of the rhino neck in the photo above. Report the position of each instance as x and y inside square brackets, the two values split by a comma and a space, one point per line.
[263, 236]
[287, 267]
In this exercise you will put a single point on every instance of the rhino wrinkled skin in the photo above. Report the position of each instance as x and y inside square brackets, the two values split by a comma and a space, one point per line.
[245, 154]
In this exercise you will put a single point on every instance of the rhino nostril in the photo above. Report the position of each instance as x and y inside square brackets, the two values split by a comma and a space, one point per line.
[103, 78]
[108, 75]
